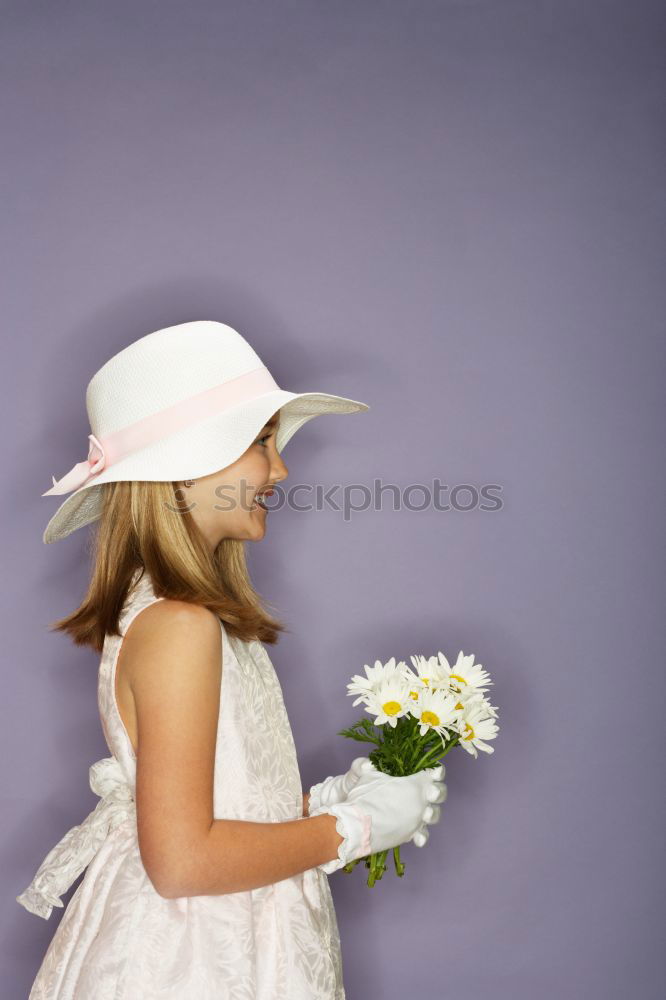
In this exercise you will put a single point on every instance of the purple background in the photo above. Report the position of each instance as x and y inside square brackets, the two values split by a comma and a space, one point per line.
[454, 212]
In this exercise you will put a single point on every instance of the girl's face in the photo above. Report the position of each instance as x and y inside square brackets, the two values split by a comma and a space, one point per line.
[223, 504]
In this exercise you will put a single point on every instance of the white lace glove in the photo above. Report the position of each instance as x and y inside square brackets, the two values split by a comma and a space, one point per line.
[335, 788]
[382, 812]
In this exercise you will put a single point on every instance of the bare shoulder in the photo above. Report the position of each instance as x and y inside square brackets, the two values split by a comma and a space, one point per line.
[169, 630]
[174, 615]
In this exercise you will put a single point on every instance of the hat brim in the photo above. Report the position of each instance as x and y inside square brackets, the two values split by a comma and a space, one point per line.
[199, 450]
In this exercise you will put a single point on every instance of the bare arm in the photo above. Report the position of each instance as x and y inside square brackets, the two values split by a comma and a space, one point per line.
[173, 657]
[238, 855]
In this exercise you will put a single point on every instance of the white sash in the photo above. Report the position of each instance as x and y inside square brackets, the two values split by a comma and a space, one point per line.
[65, 862]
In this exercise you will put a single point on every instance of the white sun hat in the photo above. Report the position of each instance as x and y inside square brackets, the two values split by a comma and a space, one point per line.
[179, 403]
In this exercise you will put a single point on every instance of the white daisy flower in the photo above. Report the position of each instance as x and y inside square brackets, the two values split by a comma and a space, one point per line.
[375, 676]
[389, 701]
[430, 673]
[490, 709]
[475, 726]
[435, 710]
[467, 672]
[465, 694]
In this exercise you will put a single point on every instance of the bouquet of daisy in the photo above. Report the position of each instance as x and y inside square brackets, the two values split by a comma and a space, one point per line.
[418, 716]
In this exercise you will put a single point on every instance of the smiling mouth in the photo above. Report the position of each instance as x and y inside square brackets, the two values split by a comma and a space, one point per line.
[259, 503]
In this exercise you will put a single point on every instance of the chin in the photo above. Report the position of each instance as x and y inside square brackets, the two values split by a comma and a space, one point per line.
[257, 532]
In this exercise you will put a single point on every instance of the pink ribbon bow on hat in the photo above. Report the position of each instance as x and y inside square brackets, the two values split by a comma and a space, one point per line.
[146, 431]
[82, 471]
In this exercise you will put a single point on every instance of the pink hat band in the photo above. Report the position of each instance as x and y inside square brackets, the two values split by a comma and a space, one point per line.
[111, 448]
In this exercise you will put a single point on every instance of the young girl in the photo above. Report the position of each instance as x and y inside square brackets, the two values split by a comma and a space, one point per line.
[199, 884]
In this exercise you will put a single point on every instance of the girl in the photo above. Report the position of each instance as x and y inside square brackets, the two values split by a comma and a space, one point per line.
[199, 882]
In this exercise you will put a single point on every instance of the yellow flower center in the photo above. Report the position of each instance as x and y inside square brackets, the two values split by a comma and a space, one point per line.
[414, 695]
[460, 705]
[470, 730]
[459, 678]
[430, 717]
[425, 680]
[391, 707]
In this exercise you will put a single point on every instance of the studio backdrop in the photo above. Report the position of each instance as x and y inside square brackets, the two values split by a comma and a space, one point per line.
[451, 210]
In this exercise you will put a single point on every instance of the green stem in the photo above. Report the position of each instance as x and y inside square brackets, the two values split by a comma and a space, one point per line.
[436, 752]
[399, 865]
[351, 865]
[372, 877]
[382, 863]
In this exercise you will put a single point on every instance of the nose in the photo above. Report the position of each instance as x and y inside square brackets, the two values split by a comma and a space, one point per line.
[279, 469]
[276, 479]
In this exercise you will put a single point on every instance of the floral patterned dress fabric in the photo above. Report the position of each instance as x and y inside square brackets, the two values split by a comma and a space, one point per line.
[118, 939]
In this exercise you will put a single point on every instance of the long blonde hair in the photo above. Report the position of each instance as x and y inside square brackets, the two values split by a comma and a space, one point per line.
[143, 525]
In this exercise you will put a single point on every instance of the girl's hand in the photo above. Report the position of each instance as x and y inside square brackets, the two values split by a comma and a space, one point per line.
[335, 789]
[383, 812]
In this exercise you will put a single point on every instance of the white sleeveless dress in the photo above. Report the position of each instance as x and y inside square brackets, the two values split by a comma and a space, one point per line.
[118, 939]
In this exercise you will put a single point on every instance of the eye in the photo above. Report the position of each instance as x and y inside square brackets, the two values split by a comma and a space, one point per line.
[264, 438]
